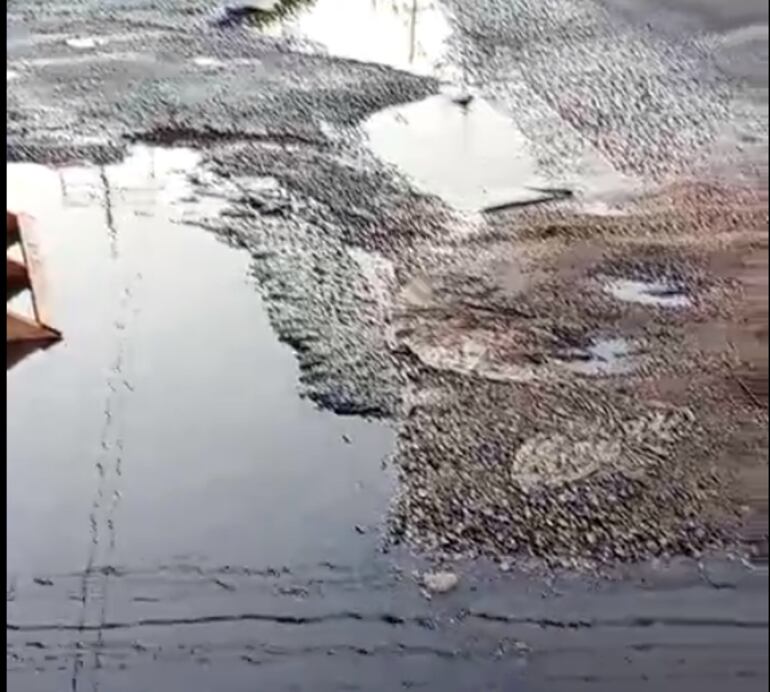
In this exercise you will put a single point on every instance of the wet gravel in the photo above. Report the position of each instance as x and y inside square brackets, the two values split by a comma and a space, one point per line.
[550, 418]
[549, 483]
[661, 99]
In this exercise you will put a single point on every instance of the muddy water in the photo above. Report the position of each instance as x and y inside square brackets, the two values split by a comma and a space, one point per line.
[166, 428]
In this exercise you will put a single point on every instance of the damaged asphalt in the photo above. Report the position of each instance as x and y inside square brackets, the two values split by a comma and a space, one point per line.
[379, 292]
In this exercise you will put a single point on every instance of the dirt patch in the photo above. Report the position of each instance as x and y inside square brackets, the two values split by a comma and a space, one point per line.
[566, 420]
[747, 339]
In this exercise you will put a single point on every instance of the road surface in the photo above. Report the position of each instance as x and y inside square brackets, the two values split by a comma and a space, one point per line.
[199, 475]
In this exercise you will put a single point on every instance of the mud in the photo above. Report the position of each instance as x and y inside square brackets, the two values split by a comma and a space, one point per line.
[609, 402]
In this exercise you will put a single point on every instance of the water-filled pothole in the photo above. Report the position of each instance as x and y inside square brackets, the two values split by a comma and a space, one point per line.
[472, 156]
[654, 292]
[608, 356]
[169, 361]
[86, 42]
[404, 34]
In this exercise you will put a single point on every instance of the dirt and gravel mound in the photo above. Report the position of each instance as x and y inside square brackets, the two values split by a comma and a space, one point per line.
[574, 395]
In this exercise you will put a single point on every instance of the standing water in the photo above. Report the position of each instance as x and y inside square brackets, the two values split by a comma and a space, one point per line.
[165, 432]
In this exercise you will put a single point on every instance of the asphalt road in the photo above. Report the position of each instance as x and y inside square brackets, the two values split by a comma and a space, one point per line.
[187, 508]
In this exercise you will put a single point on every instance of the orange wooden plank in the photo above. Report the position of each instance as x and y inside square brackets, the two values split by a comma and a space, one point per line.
[12, 229]
[31, 253]
[16, 273]
[16, 279]
[20, 328]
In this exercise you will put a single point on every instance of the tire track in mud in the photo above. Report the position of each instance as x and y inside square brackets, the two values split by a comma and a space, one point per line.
[396, 620]
[109, 464]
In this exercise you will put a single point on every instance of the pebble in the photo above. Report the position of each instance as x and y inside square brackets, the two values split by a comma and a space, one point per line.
[440, 582]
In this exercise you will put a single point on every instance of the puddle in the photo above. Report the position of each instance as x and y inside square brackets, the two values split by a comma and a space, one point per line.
[213, 64]
[483, 355]
[602, 357]
[456, 147]
[169, 392]
[405, 34]
[471, 156]
[648, 293]
[206, 62]
[86, 42]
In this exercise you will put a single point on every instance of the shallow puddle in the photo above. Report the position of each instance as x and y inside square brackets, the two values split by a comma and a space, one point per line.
[602, 357]
[166, 423]
[472, 156]
[454, 146]
[405, 34]
[658, 293]
[86, 42]
[211, 63]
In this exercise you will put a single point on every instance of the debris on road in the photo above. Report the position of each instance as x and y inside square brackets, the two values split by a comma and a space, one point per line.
[440, 582]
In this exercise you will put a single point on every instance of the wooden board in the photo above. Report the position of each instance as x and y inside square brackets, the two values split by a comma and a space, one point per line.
[27, 274]
[12, 229]
[20, 328]
[16, 276]
[31, 253]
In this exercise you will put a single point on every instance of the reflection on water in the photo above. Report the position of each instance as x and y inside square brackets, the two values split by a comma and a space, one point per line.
[659, 293]
[472, 156]
[258, 13]
[170, 392]
[405, 34]
[611, 356]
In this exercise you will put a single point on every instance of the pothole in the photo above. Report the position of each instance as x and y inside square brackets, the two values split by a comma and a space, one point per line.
[660, 293]
[86, 42]
[470, 155]
[208, 63]
[408, 35]
[609, 356]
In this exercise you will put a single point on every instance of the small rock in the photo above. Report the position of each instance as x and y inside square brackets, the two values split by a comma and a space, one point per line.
[440, 582]
[463, 100]
[521, 647]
